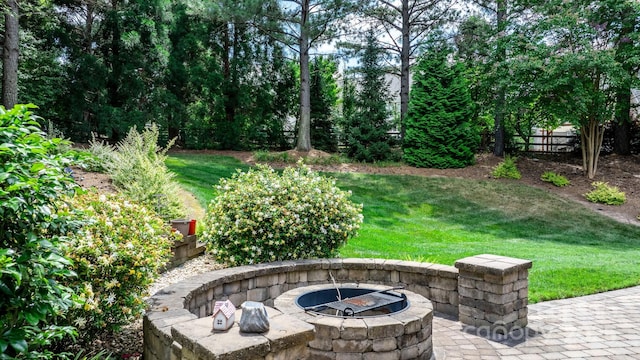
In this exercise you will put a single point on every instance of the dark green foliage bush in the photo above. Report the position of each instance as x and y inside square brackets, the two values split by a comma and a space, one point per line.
[365, 115]
[507, 169]
[603, 193]
[261, 216]
[555, 179]
[439, 133]
[116, 255]
[32, 267]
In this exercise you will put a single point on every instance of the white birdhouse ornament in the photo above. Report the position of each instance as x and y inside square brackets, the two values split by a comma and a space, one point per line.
[224, 315]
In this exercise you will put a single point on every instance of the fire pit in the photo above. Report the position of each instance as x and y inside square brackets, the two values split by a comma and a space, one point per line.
[353, 302]
[390, 323]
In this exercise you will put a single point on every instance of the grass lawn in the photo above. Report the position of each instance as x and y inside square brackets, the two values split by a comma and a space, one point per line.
[575, 251]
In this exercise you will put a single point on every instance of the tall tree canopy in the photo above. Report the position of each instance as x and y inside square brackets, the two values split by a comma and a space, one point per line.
[324, 102]
[577, 75]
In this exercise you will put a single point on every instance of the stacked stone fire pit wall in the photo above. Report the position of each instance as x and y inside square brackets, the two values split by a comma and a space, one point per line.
[194, 298]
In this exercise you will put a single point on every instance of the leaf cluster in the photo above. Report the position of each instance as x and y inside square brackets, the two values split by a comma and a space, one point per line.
[116, 256]
[555, 179]
[507, 169]
[603, 193]
[32, 267]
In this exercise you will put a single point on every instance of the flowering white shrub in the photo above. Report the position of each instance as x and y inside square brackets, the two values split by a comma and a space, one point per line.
[117, 254]
[261, 216]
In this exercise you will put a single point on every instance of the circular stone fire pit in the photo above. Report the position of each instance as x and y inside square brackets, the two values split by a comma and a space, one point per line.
[384, 322]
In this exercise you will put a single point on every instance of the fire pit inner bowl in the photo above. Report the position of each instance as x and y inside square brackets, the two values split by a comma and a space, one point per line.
[354, 302]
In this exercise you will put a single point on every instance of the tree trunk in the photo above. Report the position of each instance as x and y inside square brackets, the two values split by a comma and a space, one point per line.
[10, 55]
[113, 82]
[592, 135]
[622, 123]
[501, 56]
[88, 29]
[304, 126]
[404, 67]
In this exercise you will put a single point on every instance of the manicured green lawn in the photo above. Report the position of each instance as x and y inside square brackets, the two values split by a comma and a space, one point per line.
[575, 251]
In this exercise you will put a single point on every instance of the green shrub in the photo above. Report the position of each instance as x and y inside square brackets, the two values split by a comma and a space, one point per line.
[555, 179]
[116, 255]
[439, 132]
[261, 215]
[605, 194]
[267, 156]
[32, 267]
[137, 169]
[507, 169]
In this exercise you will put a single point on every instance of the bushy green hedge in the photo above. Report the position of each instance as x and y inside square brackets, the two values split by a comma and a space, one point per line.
[261, 216]
[116, 256]
[439, 132]
[32, 267]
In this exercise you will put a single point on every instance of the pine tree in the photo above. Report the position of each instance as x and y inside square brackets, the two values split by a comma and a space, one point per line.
[438, 128]
[324, 98]
[366, 132]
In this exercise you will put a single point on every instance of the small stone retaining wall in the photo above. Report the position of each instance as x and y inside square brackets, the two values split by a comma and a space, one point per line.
[186, 249]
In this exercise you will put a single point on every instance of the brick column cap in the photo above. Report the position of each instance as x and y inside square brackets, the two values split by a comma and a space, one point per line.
[492, 264]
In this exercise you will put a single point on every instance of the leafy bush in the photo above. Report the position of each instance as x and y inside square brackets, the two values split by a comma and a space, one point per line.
[605, 194]
[137, 169]
[507, 169]
[116, 255]
[32, 268]
[555, 179]
[261, 216]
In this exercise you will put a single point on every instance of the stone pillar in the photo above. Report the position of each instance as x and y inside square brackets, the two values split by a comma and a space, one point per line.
[493, 292]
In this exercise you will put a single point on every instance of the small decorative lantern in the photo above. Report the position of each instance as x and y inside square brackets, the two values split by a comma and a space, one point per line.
[224, 315]
[254, 318]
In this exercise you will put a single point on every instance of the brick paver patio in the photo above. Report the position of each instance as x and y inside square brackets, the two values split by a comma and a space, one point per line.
[601, 326]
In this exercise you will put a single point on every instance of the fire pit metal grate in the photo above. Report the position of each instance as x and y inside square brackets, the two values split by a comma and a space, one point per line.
[358, 304]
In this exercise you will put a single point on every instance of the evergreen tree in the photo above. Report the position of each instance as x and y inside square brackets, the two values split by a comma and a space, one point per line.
[367, 132]
[324, 98]
[438, 128]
